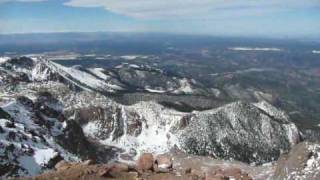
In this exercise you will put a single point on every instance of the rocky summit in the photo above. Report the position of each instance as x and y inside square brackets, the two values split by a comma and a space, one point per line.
[54, 118]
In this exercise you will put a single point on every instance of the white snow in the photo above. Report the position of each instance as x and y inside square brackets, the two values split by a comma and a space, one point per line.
[90, 128]
[88, 79]
[43, 156]
[83, 77]
[119, 66]
[99, 72]
[129, 57]
[4, 59]
[155, 90]
[89, 55]
[185, 87]
[254, 49]
[133, 57]
[134, 66]
[40, 72]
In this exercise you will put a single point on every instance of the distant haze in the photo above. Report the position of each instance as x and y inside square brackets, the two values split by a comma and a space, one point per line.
[272, 18]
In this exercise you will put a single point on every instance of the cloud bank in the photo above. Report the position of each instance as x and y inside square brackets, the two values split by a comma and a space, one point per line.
[164, 9]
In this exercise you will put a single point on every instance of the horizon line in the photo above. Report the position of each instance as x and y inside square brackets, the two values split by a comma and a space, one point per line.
[169, 33]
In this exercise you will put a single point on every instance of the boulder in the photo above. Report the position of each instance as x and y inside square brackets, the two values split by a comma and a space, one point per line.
[119, 167]
[216, 177]
[236, 173]
[62, 165]
[217, 173]
[163, 161]
[104, 172]
[187, 171]
[232, 171]
[145, 162]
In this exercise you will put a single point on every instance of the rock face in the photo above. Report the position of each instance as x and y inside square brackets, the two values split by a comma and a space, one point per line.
[303, 162]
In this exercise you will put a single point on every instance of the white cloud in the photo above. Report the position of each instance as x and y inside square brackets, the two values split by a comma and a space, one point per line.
[164, 9]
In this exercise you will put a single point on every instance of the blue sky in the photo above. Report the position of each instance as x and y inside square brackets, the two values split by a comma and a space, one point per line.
[267, 18]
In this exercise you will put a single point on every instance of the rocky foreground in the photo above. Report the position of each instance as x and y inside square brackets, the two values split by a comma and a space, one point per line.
[303, 162]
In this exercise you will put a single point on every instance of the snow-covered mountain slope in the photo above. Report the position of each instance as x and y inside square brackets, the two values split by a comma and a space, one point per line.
[126, 77]
[239, 131]
[33, 69]
[143, 127]
[86, 80]
[39, 69]
[243, 131]
[35, 135]
[27, 139]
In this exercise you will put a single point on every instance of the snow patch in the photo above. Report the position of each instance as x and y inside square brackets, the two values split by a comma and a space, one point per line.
[155, 90]
[129, 57]
[100, 73]
[254, 49]
[133, 57]
[185, 87]
[134, 66]
[4, 59]
[43, 156]
[88, 79]
[90, 128]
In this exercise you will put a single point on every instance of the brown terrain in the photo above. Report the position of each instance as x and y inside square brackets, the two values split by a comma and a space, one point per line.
[161, 167]
[302, 162]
